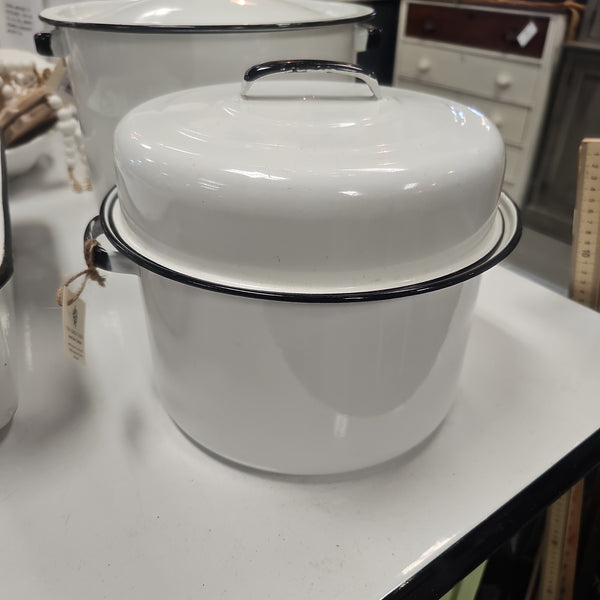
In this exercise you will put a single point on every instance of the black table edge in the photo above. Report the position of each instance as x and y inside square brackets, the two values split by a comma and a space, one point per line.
[451, 566]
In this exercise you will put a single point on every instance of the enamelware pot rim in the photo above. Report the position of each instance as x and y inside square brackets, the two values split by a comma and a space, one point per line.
[118, 16]
[507, 219]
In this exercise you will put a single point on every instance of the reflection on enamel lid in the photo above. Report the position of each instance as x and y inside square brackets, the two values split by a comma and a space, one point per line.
[158, 12]
[392, 136]
[255, 174]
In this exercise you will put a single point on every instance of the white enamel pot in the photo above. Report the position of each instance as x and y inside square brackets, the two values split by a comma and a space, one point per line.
[8, 389]
[120, 53]
[308, 310]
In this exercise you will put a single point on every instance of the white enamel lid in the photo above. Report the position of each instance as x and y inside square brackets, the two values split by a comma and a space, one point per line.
[309, 184]
[205, 15]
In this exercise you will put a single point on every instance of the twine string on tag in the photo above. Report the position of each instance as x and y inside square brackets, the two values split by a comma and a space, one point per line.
[91, 272]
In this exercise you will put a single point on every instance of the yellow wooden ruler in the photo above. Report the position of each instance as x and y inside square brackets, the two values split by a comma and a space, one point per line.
[585, 256]
[560, 546]
[585, 289]
[554, 538]
[561, 538]
[571, 542]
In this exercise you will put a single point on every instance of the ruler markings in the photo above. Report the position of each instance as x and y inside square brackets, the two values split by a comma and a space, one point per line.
[553, 549]
[571, 543]
[561, 537]
[585, 257]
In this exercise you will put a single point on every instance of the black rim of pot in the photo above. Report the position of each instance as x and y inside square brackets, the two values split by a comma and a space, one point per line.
[506, 243]
[6, 267]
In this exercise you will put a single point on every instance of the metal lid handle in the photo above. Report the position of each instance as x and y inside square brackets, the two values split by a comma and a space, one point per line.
[302, 66]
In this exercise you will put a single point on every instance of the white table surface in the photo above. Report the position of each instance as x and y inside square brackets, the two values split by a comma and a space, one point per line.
[101, 496]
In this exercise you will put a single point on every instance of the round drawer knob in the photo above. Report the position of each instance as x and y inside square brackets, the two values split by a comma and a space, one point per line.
[423, 65]
[503, 80]
[497, 120]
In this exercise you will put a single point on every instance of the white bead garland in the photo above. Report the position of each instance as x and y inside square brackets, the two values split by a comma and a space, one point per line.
[68, 125]
[18, 78]
[54, 101]
[8, 94]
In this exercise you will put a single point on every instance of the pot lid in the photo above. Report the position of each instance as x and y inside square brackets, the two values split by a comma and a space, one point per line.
[327, 185]
[208, 15]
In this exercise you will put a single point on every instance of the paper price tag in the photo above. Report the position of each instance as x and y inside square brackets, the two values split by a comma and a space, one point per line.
[73, 319]
[527, 34]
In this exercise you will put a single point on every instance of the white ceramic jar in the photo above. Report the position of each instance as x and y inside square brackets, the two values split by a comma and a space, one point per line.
[309, 255]
[120, 53]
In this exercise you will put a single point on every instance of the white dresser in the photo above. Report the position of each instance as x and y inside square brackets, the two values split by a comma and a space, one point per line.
[499, 60]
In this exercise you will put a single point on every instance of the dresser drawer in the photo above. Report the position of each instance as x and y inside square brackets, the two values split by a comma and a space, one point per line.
[510, 120]
[487, 76]
[477, 28]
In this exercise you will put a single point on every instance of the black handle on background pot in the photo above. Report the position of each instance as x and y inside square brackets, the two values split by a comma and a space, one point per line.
[374, 36]
[43, 43]
[102, 259]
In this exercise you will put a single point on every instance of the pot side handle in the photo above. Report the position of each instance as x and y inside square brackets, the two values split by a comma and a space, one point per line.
[107, 261]
[368, 37]
[50, 43]
[332, 67]
[43, 43]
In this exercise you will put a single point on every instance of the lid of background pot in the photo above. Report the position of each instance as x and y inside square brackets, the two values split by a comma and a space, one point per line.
[207, 15]
[317, 185]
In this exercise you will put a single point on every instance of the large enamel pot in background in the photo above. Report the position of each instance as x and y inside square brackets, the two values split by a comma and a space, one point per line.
[8, 390]
[120, 53]
[309, 254]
